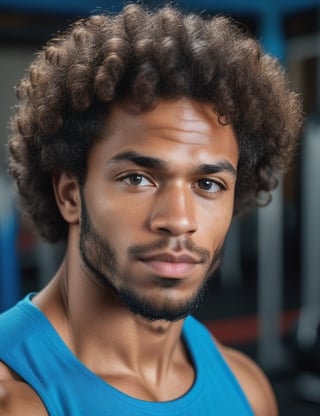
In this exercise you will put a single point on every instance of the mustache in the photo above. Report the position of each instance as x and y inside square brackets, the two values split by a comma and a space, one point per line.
[188, 245]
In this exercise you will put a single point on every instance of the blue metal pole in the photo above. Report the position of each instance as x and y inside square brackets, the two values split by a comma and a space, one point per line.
[10, 280]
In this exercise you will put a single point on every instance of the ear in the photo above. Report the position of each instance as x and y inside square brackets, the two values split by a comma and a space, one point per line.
[67, 193]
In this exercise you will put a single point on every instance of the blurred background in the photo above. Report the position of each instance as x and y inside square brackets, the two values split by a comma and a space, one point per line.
[266, 301]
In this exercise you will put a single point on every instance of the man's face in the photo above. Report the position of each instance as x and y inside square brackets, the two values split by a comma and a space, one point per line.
[157, 204]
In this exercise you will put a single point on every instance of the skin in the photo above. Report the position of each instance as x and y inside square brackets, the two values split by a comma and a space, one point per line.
[177, 202]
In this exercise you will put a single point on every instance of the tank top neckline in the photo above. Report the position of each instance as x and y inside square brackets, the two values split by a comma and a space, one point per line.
[57, 342]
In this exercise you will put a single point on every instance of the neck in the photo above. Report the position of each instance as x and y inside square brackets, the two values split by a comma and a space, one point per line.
[110, 340]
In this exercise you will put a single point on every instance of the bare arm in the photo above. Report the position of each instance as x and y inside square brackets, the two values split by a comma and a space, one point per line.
[253, 382]
[16, 397]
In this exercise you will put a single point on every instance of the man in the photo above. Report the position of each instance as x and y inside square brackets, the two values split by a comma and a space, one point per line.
[137, 138]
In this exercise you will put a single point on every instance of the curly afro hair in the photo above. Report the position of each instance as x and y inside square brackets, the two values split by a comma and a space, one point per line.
[146, 56]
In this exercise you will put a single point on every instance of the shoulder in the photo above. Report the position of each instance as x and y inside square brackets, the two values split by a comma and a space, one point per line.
[16, 397]
[253, 382]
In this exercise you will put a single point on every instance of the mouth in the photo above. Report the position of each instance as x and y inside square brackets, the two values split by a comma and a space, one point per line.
[171, 266]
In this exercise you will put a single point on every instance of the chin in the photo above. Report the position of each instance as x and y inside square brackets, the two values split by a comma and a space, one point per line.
[170, 310]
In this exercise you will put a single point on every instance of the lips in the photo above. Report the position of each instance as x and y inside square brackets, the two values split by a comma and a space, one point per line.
[170, 265]
[171, 258]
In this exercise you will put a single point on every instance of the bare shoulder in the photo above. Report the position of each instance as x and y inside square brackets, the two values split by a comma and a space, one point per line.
[16, 397]
[253, 382]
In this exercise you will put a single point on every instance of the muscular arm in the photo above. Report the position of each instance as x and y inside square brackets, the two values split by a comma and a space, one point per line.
[253, 382]
[16, 397]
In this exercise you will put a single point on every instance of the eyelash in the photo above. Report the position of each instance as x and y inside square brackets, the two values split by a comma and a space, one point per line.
[132, 175]
[212, 182]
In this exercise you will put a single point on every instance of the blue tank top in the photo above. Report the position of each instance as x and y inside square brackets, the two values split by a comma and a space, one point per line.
[33, 349]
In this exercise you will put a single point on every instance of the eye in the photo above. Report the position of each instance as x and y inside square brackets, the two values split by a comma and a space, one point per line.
[209, 185]
[136, 179]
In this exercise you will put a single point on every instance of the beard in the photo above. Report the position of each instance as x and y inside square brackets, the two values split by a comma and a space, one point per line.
[100, 260]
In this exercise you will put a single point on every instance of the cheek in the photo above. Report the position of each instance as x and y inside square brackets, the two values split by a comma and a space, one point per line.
[120, 225]
[214, 227]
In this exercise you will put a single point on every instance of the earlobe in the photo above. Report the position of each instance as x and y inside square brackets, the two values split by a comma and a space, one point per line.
[67, 194]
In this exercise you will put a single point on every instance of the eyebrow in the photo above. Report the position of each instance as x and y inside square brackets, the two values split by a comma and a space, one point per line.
[155, 163]
[223, 166]
[140, 160]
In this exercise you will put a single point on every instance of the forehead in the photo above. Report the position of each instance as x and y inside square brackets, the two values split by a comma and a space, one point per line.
[184, 126]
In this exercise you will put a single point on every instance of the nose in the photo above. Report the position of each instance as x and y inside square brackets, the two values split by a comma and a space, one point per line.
[174, 212]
